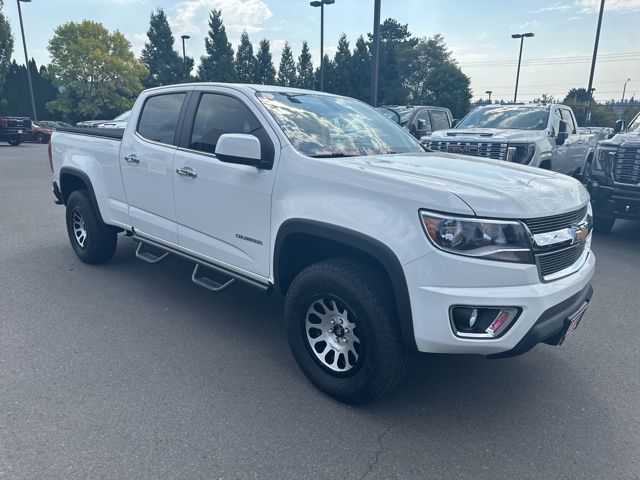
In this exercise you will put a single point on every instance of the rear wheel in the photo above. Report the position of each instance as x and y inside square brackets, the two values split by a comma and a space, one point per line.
[91, 239]
[41, 138]
[343, 331]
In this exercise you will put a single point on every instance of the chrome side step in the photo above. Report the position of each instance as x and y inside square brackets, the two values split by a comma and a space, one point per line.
[210, 279]
[150, 254]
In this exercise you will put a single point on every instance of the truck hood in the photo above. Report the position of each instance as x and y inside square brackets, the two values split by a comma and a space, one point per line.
[491, 188]
[487, 134]
[622, 140]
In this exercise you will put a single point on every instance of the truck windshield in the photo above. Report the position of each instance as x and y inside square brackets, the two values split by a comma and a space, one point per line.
[634, 126]
[507, 117]
[328, 126]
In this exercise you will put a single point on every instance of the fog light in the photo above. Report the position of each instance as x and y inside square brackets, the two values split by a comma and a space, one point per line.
[482, 322]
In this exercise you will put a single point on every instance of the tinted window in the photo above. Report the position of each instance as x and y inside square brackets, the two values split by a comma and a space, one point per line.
[159, 118]
[440, 120]
[220, 114]
[566, 116]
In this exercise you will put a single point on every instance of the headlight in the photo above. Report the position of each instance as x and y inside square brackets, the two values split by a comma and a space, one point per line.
[520, 153]
[604, 158]
[499, 240]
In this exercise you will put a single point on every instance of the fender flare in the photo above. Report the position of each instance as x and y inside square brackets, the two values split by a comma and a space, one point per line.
[364, 243]
[74, 172]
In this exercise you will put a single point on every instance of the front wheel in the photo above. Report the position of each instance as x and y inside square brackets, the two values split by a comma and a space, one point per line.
[343, 331]
[91, 239]
[15, 141]
[40, 138]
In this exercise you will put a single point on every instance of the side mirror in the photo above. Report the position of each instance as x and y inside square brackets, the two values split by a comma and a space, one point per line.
[424, 140]
[620, 126]
[241, 149]
[562, 133]
[455, 122]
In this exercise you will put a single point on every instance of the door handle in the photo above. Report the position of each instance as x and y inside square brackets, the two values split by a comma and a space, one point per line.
[186, 172]
[133, 158]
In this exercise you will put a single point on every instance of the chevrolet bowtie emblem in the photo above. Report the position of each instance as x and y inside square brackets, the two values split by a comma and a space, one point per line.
[579, 233]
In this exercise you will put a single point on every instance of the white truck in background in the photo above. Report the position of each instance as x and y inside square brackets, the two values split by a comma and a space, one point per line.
[379, 248]
[536, 134]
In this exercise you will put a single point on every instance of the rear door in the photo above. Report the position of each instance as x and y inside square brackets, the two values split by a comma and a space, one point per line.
[576, 146]
[146, 162]
[223, 210]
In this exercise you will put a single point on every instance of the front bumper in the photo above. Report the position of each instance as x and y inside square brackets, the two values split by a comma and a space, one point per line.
[438, 281]
[616, 202]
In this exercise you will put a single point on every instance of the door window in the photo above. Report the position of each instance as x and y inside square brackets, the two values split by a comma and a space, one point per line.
[220, 114]
[567, 117]
[440, 120]
[159, 118]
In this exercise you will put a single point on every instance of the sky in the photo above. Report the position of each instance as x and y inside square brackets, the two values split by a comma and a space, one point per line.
[478, 32]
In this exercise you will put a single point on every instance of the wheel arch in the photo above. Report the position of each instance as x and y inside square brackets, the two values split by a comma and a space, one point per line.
[301, 242]
[72, 179]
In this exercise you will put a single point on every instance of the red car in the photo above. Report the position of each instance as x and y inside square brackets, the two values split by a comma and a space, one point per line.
[39, 134]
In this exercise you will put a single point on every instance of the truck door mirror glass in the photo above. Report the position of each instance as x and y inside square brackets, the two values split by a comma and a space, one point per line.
[241, 149]
[563, 134]
[619, 126]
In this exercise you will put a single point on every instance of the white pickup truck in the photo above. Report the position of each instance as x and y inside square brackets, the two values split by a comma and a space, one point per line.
[380, 248]
[535, 134]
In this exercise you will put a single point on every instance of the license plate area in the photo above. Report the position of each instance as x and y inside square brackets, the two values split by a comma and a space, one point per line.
[573, 321]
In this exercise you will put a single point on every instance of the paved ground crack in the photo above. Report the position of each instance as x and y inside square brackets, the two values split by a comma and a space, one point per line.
[377, 452]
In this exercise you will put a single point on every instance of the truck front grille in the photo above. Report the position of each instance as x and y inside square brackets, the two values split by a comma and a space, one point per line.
[556, 261]
[497, 151]
[626, 168]
[557, 222]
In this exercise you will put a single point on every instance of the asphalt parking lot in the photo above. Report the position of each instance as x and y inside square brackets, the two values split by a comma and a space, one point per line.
[128, 370]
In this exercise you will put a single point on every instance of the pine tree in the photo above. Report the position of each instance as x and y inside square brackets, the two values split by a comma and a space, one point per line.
[305, 68]
[329, 76]
[265, 71]
[287, 69]
[6, 49]
[342, 63]
[245, 61]
[361, 71]
[164, 63]
[217, 64]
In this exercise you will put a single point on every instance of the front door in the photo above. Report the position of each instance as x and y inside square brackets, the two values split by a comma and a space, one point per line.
[146, 164]
[223, 210]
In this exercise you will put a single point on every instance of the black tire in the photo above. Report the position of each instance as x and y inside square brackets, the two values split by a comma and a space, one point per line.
[603, 224]
[99, 241]
[365, 292]
[40, 138]
[14, 142]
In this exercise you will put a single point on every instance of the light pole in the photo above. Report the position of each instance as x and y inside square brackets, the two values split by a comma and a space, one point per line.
[489, 92]
[26, 61]
[376, 53]
[521, 36]
[184, 55]
[593, 63]
[624, 89]
[321, 4]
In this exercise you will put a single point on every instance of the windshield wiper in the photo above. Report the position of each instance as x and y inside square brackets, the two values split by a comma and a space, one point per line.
[331, 155]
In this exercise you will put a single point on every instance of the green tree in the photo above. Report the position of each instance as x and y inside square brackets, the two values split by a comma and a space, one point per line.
[6, 50]
[217, 64]
[361, 71]
[163, 62]
[329, 76]
[448, 87]
[18, 100]
[342, 63]
[287, 69]
[305, 68]
[265, 71]
[245, 61]
[96, 71]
